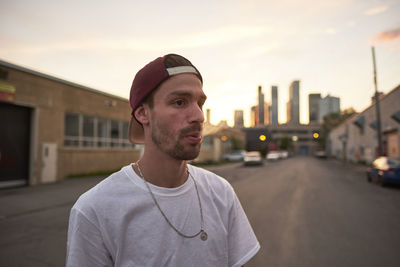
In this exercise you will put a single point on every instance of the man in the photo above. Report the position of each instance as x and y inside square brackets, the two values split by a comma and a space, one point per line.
[161, 211]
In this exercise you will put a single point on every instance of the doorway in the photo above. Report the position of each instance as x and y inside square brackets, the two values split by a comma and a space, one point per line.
[15, 125]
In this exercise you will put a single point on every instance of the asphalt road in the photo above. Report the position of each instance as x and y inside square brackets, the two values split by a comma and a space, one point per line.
[305, 212]
[311, 212]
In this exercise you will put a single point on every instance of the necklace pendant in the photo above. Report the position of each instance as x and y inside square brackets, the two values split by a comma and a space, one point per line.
[203, 236]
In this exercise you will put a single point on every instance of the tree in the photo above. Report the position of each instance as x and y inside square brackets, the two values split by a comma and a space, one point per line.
[331, 121]
[285, 143]
[237, 144]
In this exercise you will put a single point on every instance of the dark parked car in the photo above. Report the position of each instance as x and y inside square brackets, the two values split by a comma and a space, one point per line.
[384, 170]
[320, 154]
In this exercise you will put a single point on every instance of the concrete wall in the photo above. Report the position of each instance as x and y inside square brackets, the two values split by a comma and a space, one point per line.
[50, 99]
[74, 161]
[350, 142]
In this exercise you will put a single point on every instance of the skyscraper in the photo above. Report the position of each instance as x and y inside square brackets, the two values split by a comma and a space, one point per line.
[313, 107]
[238, 119]
[260, 106]
[328, 105]
[293, 105]
[208, 116]
[274, 105]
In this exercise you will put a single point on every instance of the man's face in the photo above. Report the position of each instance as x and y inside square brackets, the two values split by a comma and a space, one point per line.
[176, 119]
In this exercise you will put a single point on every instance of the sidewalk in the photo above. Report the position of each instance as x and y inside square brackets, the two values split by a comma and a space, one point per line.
[34, 221]
[23, 200]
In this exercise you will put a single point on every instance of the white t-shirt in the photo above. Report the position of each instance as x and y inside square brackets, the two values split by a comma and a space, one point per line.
[116, 223]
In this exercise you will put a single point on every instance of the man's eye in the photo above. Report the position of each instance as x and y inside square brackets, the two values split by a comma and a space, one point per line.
[179, 102]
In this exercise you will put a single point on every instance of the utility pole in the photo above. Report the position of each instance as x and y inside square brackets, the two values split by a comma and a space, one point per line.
[378, 113]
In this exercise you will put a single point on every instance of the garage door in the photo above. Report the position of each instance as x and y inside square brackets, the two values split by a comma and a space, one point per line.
[14, 144]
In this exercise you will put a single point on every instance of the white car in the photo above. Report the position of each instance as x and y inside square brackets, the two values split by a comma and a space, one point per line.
[273, 155]
[253, 158]
[283, 154]
[235, 156]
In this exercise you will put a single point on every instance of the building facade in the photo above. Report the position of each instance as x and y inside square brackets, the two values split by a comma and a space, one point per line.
[219, 140]
[293, 105]
[261, 108]
[274, 106]
[238, 119]
[313, 107]
[52, 128]
[303, 140]
[356, 139]
[300, 138]
[254, 116]
[328, 105]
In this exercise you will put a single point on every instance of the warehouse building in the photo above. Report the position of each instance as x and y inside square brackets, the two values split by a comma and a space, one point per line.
[356, 138]
[52, 128]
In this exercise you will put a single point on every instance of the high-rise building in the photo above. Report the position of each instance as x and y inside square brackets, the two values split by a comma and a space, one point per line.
[260, 106]
[255, 113]
[208, 116]
[274, 105]
[254, 116]
[293, 105]
[238, 119]
[267, 121]
[328, 105]
[313, 107]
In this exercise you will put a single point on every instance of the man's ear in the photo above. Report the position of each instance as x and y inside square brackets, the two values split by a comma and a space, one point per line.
[142, 114]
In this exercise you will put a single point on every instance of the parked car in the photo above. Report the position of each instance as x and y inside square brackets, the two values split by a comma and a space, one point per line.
[235, 156]
[384, 170]
[273, 155]
[253, 158]
[320, 154]
[283, 154]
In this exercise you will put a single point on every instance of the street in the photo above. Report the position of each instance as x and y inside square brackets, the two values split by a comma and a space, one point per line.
[310, 212]
[304, 211]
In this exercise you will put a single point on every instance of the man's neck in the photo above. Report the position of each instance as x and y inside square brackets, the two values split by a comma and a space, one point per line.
[162, 170]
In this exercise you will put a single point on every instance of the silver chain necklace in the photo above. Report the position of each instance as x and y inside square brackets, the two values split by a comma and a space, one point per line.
[202, 233]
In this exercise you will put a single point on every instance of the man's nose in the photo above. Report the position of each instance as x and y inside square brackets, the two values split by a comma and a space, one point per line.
[196, 114]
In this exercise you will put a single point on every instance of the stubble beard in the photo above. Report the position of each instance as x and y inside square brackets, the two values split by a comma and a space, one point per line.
[164, 140]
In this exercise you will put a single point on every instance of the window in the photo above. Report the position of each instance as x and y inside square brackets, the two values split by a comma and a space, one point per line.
[125, 133]
[102, 133]
[71, 129]
[88, 131]
[115, 133]
[207, 143]
[91, 132]
[359, 122]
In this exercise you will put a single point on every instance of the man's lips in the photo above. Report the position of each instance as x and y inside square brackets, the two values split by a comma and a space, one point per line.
[194, 137]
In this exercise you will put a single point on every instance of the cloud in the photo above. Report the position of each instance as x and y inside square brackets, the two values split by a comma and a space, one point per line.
[376, 10]
[219, 36]
[388, 36]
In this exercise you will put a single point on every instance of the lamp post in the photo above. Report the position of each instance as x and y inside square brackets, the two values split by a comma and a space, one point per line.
[378, 113]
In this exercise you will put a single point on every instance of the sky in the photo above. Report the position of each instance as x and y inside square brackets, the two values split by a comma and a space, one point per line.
[236, 45]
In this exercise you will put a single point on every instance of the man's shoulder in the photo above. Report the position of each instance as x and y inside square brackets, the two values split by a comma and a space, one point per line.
[108, 188]
[213, 181]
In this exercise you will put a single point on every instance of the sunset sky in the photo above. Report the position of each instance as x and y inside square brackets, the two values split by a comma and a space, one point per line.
[236, 45]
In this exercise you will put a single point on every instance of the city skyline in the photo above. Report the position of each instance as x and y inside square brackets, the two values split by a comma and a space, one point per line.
[318, 107]
[327, 46]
